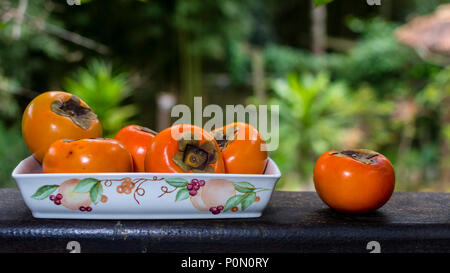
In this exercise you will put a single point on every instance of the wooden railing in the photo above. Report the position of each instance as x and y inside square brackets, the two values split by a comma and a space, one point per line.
[293, 222]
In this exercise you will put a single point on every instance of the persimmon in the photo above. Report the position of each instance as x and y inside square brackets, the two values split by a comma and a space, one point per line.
[136, 139]
[354, 181]
[87, 156]
[184, 148]
[242, 148]
[56, 115]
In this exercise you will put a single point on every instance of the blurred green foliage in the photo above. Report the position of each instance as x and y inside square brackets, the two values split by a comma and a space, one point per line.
[434, 100]
[12, 151]
[9, 107]
[322, 2]
[26, 48]
[105, 92]
[376, 59]
[317, 115]
[391, 102]
[311, 118]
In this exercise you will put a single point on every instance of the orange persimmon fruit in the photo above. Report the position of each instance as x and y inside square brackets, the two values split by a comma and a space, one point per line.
[242, 148]
[354, 181]
[184, 148]
[99, 155]
[56, 115]
[136, 139]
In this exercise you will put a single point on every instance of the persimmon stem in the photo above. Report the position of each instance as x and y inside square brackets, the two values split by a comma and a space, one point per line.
[361, 155]
[193, 156]
[73, 109]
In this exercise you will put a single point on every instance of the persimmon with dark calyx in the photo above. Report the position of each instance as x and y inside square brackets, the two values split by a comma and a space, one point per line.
[242, 148]
[136, 139]
[354, 181]
[56, 115]
[184, 148]
[100, 155]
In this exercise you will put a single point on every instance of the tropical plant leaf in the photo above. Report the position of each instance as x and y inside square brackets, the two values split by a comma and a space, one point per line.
[233, 201]
[103, 89]
[44, 191]
[248, 200]
[182, 194]
[85, 185]
[322, 2]
[177, 182]
[244, 187]
[96, 192]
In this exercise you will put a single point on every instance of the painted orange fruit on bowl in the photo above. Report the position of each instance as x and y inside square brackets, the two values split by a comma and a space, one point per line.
[213, 195]
[71, 199]
[217, 196]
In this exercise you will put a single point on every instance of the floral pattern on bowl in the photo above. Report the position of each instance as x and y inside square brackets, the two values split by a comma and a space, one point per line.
[144, 195]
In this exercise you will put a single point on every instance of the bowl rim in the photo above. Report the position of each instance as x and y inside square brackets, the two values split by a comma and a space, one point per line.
[15, 174]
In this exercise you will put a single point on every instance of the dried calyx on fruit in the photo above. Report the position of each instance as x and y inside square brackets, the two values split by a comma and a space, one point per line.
[362, 155]
[73, 109]
[192, 156]
[224, 138]
[145, 129]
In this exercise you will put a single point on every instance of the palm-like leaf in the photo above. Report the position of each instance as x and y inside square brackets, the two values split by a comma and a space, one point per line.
[104, 91]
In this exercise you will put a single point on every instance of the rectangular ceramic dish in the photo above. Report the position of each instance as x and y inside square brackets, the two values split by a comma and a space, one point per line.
[144, 195]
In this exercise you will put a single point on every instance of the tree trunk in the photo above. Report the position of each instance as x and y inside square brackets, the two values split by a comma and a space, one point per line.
[165, 101]
[190, 71]
[258, 75]
[318, 28]
[386, 9]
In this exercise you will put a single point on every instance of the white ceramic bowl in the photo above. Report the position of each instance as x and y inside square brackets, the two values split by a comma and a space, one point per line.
[143, 195]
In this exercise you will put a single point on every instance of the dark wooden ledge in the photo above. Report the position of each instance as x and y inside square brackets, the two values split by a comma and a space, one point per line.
[293, 222]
